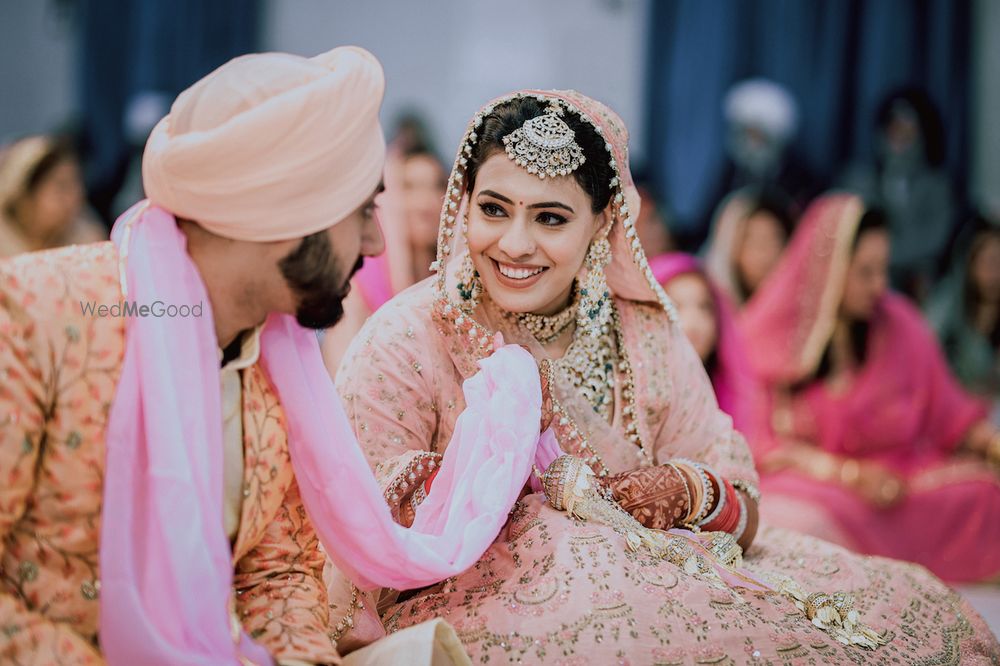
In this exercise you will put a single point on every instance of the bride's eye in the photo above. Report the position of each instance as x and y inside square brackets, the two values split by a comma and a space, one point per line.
[492, 210]
[551, 219]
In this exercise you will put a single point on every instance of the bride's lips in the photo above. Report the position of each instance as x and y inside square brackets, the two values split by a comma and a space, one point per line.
[535, 274]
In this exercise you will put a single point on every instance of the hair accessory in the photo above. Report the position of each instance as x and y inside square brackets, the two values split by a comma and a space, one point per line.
[545, 145]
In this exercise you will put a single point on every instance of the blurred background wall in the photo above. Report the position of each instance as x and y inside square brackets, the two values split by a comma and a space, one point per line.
[104, 68]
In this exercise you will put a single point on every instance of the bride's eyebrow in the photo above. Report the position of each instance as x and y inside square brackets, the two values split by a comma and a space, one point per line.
[544, 204]
[496, 195]
[552, 204]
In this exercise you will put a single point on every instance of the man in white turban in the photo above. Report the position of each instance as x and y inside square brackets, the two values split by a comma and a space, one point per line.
[149, 509]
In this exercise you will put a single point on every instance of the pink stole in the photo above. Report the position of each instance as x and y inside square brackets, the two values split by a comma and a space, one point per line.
[165, 560]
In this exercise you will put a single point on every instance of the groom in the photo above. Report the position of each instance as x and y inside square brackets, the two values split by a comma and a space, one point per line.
[261, 183]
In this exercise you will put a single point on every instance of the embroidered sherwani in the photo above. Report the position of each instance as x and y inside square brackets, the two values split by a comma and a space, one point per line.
[59, 366]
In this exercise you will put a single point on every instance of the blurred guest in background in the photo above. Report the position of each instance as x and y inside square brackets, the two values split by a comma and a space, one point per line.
[412, 133]
[709, 322]
[907, 179]
[762, 120]
[42, 198]
[871, 443]
[423, 183]
[749, 233]
[409, 210]
[651, 223]
[965, 311]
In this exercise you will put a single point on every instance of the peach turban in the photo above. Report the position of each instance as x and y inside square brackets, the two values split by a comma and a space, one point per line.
[271, 146]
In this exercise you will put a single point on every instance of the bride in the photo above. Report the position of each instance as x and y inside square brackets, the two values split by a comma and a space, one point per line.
[537, 247]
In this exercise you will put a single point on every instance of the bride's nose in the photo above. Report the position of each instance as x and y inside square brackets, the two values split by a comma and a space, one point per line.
[517, 241]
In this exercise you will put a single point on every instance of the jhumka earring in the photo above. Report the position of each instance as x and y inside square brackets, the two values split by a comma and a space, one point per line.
[469, 285]
[594, 313]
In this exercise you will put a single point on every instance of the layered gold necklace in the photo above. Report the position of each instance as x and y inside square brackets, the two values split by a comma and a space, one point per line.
[589, 362]
[545, 328]
[589, 365]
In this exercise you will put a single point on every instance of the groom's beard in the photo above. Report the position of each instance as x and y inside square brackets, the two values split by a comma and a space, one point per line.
[315, 277]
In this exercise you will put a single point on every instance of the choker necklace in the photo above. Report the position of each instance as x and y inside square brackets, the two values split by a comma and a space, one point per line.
[545, 328]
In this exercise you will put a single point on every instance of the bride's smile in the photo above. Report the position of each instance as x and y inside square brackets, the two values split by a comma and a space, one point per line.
[528, 237]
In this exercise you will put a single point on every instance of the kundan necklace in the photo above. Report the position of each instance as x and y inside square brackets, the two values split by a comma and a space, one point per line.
[589, 365]
[545, 328]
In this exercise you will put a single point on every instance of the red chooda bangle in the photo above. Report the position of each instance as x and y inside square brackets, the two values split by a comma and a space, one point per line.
[729, 518]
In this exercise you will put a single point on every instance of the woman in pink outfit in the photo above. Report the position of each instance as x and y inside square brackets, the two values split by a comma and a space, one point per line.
[537, 244]
[749, 232]
[867, 439]
[709, 321]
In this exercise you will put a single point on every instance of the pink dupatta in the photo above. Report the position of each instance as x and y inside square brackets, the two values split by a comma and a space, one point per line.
[732, 377]
[165, 559]
[903, 405]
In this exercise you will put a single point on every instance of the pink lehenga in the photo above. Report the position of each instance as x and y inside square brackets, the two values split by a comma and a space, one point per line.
[559, 590]
[901, 408]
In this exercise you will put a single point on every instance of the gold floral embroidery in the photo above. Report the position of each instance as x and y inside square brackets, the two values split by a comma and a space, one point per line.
[60, 371]
[554, 590]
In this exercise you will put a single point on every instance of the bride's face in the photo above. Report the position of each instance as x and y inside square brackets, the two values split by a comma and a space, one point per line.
[528, 237]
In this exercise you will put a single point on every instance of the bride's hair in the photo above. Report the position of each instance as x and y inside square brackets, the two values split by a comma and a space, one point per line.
[594, 175]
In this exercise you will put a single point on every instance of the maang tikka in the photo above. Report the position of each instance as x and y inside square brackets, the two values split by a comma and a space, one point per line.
[545, 145]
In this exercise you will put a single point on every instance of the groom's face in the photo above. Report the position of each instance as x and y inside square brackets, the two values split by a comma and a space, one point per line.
[319, 270]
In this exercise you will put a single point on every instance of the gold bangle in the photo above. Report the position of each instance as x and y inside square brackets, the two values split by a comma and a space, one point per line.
[824, 468]
[696, 490]
[890, 490]
[750, 489]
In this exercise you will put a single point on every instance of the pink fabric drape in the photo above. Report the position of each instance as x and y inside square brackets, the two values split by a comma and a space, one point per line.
[902, 408]
[732, 377]
[379, 278]
[165, 559]
[902, 401]
[373, 281]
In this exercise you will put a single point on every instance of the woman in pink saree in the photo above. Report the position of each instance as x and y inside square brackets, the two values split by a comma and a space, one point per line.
[709, 320]
[868, 440]
[538, 228]
[750, 230]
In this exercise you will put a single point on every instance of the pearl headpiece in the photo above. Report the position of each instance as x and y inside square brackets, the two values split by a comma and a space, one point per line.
[545, 145]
